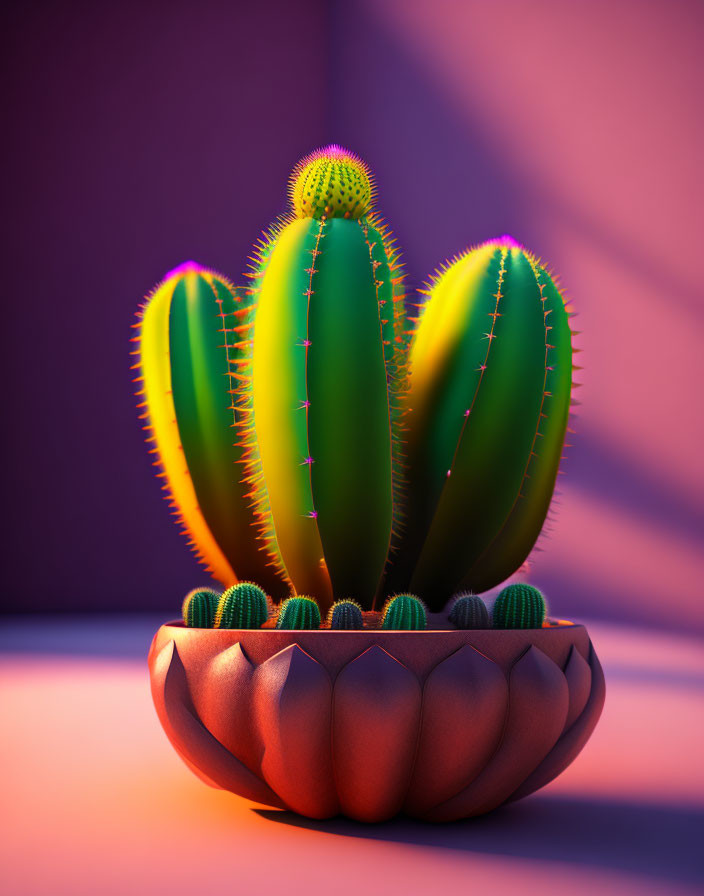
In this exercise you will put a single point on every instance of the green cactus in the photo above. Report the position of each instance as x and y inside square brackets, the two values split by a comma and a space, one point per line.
[404, 611]
[244, 605]
[469, 611]
[488, 405]
[191, 346]
[299, 612]
[366, 459]
[519, 606]
[199, 608]
[322, 399]
[345, 614]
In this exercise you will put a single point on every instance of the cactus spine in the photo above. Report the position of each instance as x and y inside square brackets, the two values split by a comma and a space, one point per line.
[244, 605]
[190, 349]
[519, 606]
[488, 400]
[199, 608]
[404, 611]
[469, 611]
[323, 395]
[298, 613]
[346, 614]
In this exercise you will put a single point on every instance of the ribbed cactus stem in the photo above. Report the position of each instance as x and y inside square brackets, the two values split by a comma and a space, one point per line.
[322, 406]
[519, 606]
[199, 608]
[488, 404]
[469, 611]
[345, 614]
[298, 613]
[244, 605]
[193, 343]
[404, 611]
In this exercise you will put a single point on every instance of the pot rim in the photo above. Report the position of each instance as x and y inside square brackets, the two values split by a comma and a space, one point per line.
[554, 624]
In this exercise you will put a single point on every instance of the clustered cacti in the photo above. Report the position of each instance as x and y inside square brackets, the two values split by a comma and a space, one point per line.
[246, 606]
[315, 440]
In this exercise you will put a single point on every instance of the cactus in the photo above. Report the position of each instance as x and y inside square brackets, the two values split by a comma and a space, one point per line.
[243, 605]
[519, 606]
[298, 613]
[404, 611]
[469, 611]
[345, 614]
[311, 442]
[488, 404]
[322, 400]
[190, 348]
[199, 607]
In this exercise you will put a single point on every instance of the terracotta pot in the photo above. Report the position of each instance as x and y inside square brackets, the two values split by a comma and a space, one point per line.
[439, 724]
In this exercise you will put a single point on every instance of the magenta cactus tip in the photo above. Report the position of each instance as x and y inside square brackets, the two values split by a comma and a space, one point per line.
[186, 267]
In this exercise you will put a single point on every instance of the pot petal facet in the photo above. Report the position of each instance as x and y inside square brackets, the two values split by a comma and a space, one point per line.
[376, 714]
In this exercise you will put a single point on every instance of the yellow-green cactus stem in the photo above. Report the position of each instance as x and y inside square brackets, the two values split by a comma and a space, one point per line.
[488, 406]
[324, 397]
[191, 345]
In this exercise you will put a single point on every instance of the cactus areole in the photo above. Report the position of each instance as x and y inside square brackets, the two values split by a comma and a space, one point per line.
[355, 467]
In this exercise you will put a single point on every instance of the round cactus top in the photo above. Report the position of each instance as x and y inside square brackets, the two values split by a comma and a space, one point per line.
[331, 182]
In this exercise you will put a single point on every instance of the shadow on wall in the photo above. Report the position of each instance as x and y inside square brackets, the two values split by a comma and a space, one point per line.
[446, 183]
[653, 841]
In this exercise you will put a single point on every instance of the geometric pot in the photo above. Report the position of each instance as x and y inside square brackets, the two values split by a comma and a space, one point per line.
[438, 725]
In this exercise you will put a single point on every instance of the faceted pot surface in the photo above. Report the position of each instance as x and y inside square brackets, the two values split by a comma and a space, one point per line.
[439, 725]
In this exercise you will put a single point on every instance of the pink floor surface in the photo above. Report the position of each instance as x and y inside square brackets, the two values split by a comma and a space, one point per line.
[95, 801]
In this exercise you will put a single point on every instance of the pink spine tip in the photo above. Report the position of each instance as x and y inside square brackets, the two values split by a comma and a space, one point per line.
[507, 240]
[185, 267]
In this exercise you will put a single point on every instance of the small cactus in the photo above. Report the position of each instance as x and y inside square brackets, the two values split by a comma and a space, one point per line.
[346, 614]
[242, 606]
[199, 607]
[519, 606]
[298, 613]
[404, 611]
[469, 611]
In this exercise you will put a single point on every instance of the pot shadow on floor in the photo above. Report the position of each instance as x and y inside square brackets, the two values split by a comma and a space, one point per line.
[656, 841]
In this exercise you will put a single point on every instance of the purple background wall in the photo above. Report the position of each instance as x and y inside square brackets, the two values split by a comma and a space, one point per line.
[137, 135]
[140, 137]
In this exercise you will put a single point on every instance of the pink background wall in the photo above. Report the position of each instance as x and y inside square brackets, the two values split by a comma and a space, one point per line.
[575, 127]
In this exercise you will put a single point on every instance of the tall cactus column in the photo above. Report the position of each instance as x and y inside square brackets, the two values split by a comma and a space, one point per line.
[192, 339]
[327, 377]
[489, 398]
